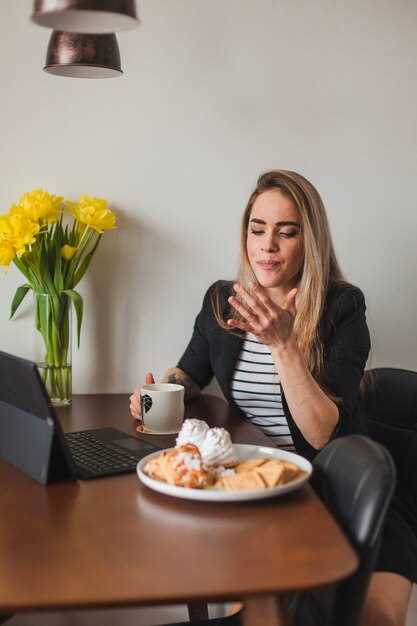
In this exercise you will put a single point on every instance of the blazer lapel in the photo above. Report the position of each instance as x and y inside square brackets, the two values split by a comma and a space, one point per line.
[230, 349]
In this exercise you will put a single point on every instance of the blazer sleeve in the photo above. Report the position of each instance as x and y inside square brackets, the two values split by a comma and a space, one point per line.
[196, 360]
[345, 357]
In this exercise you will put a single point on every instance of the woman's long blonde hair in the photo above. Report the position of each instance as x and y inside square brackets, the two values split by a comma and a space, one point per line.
[320, 266]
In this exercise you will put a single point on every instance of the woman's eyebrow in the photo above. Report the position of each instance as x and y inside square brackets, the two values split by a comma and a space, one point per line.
[285, 223]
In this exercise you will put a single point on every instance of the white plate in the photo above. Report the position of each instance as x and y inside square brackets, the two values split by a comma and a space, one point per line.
[242, 451]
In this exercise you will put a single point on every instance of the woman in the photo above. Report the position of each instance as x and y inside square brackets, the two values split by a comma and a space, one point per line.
[288, 343]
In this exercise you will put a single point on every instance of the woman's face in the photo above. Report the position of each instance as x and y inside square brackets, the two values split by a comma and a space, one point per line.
[275, 243]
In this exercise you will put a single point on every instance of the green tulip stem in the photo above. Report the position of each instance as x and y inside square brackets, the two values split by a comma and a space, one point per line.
[53, 323]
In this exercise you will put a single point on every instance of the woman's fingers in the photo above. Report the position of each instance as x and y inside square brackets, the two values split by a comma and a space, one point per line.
[250, 317]
[256, 320]
[241, 325]
[263, 298]
[135, 411]
[135, 404]
[268, 321]
[134, 399]
[289, 304]
[254, 303]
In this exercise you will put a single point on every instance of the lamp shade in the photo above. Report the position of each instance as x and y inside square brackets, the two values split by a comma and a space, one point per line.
[80, 55]
[86, 16]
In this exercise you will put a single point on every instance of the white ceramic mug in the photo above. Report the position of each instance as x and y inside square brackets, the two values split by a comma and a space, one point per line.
[162, 407]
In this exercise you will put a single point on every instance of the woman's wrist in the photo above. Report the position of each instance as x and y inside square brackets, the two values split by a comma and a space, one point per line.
[176, 376]
[286, 351]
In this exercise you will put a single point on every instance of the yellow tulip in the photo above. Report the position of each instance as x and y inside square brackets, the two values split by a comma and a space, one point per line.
[7, 253]
[94, 212]
[4, 225]
[67, 252]
[18, 232]
[39, 206]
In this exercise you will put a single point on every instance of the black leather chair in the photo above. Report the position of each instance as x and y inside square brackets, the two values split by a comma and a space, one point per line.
[390, 397]
[389, 407]
[355, 477]
[389, 410]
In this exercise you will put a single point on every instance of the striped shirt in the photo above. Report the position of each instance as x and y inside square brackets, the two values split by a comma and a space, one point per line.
[256, 389]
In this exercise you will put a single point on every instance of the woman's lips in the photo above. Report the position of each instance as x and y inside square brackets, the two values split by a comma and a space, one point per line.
[268, 265]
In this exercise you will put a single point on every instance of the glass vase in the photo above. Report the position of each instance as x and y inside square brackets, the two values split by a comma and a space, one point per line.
[53, 345]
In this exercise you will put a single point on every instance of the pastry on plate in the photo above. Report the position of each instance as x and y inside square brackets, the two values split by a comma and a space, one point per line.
[183, 467]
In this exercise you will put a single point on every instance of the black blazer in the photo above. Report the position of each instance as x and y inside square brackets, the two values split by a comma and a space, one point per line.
[213, 351]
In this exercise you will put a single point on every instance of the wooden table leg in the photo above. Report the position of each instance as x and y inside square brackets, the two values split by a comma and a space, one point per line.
[197, 610]
[262, 610]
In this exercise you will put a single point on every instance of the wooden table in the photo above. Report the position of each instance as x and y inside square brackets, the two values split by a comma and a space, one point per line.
[113, 542]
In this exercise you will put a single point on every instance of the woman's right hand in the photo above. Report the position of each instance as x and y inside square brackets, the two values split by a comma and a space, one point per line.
[135, 400]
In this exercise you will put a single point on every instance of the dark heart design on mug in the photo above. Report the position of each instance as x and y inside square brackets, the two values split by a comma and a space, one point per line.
[146, 402]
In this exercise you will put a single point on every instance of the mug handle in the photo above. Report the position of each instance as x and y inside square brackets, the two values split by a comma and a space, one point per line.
[142, 410]
[145, 405]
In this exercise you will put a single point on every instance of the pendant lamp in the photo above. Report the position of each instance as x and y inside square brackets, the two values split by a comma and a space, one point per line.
[86, 16]
[80, 55]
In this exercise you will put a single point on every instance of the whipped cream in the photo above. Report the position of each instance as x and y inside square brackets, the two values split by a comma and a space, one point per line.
[188, 460]
[217, 448]
[193, 431]
[214, 444]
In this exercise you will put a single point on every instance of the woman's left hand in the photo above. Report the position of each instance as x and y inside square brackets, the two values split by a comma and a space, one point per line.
[273, 324]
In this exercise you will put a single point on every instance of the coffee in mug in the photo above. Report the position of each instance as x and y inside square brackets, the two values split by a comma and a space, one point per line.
[162, 407]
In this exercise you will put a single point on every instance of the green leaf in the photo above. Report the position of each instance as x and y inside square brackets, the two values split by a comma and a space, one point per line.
[43, 260]
[21, 267]
[42, 317]
[58, 274]
[72, 235]
[77, 301]
[81, 270]
[18, 297]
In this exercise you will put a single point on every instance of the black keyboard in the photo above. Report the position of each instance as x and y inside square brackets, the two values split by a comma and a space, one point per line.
[94, 458]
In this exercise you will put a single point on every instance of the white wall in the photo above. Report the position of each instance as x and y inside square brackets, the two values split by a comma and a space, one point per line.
[213, 94]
